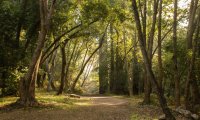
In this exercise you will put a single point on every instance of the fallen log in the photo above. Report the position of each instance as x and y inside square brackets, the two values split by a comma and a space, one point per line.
[74, 96]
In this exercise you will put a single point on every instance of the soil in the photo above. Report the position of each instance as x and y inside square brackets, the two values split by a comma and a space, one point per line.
[99, 108]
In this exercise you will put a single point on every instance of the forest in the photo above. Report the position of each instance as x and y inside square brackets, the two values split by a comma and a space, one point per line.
[99, 60]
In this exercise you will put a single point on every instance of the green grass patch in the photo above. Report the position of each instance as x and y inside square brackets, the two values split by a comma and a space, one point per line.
[140, 117]
[50, 100]
[7, 100]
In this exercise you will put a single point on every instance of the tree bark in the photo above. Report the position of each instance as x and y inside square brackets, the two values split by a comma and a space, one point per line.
[191, 79]
[135, 70]
[190, 33]
[176, 73]
[147, 86]
[160, 94]
[27, 83]
[63, 71]
[112, 60]
[160, 66]
[127, 68]
[103, 66]
[50, 72]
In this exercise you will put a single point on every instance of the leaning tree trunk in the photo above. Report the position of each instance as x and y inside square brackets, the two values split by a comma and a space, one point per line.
[160, 94]
[86, 62]
[27, 83]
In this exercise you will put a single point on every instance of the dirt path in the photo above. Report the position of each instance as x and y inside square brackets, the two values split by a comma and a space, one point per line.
[99, 108]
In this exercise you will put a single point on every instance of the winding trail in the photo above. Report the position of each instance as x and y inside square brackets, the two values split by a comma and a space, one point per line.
[99, 108]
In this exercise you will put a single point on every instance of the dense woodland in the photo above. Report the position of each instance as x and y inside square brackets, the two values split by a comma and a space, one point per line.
[122, 47]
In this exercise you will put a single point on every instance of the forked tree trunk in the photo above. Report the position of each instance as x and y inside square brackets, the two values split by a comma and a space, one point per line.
[27, 83]
[149, 51]
[160, 94]
[147, 84]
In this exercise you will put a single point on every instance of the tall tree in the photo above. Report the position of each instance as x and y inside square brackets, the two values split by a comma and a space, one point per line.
[147, 87]
[191, 81]
[160, 94]
[160, 66]
[112, 59]
[176, 73]
[103, 65]
[27, 84]
[63, 71]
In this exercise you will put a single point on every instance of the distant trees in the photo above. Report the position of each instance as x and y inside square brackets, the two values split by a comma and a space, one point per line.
[76, 44]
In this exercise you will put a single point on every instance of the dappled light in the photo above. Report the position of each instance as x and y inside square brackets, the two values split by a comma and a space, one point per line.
[99, 59]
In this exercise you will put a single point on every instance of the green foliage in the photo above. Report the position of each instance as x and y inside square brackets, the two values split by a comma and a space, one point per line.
[168, 64]
[13, 56]
[94, 11]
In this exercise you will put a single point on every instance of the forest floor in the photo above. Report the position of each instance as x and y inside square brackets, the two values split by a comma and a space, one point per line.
[84, 108]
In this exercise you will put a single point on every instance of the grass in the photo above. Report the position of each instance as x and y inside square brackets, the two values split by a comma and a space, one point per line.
[140, 117]
[49, 100]
[7, 100]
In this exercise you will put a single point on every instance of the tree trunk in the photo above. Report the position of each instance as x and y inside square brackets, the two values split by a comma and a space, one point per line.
[127, 68]
[191, 61]
[39, 76]
[135, 70]
[112, 60]
[176, 73]
[191, 79]
[27, 83]
[68, 65]
[87, 73]
[160, 68]
[49, 70]
[103, 66]
[63, 71]
[160, 94]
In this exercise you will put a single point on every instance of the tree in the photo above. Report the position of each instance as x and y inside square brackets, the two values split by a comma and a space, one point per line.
[176, 73]
[27, 83]
[191, 47]
[160, 66]
[160, 94]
